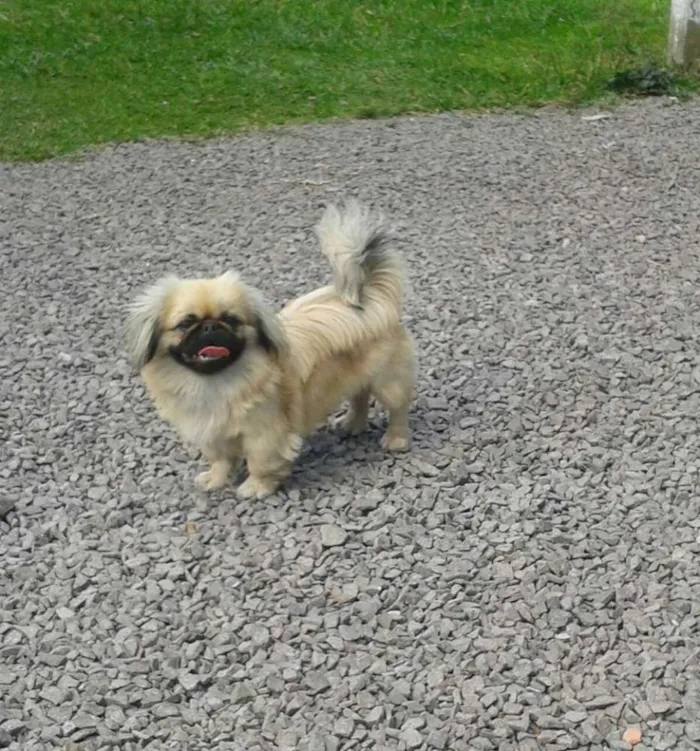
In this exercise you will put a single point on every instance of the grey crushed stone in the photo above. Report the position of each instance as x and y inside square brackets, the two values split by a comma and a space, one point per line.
[332, 535]
[527, 577]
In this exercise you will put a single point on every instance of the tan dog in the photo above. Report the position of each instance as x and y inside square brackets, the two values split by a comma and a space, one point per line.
[238, 381]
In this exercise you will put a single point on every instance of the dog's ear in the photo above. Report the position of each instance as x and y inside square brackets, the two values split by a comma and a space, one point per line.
[267, 325]
[143, 324]
[269, 336]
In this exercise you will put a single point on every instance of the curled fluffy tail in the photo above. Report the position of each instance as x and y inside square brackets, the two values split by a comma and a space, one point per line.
[367, 269]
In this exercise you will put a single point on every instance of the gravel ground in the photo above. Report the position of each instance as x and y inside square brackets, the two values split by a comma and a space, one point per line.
[526, 578]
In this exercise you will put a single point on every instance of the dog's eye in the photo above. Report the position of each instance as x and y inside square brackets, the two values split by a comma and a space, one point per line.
[187, 323]
[230, 320]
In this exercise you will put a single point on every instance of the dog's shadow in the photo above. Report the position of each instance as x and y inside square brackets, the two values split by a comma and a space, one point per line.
[330, 457]
[330, 454]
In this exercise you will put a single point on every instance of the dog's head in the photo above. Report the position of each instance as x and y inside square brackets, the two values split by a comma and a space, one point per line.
[203, 325]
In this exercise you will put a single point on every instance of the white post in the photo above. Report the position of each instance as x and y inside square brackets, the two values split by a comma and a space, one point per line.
[684, 33]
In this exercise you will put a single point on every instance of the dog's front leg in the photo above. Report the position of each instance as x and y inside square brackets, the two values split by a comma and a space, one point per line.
[223, 457]
[269, 462]
[258, 486]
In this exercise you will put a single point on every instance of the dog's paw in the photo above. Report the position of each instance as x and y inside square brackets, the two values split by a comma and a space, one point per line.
[396, 442]
[211, 480]
[255, 487]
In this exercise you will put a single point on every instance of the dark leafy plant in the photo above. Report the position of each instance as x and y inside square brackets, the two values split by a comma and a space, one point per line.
[647, 80]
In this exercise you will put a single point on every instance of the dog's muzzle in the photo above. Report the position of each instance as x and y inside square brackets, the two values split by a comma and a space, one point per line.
[209, 348]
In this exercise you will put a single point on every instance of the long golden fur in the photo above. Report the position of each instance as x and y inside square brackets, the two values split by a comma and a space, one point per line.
[287, 371]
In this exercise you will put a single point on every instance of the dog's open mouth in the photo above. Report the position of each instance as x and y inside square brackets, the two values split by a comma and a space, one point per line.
[210, 354]
[206, 357]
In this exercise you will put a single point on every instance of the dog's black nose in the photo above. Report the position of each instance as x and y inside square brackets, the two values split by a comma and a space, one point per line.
[209, 327]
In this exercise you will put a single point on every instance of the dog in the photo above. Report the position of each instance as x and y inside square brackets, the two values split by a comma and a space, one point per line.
[238, 381]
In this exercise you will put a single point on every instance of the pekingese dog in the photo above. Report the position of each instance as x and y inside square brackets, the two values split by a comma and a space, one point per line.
[242, 382]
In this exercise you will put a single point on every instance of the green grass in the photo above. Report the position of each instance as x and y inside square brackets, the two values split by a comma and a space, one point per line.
[80, 72]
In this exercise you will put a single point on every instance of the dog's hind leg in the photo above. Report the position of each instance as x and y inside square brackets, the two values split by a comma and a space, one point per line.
[355, 421]
[394, 387]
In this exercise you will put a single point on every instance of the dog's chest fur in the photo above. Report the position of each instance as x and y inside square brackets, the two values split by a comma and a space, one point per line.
[208, 410]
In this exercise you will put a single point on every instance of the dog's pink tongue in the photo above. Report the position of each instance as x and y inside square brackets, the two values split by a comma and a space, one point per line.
[213, 352]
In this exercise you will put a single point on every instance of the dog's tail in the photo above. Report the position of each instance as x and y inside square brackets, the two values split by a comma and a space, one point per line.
[368, 271]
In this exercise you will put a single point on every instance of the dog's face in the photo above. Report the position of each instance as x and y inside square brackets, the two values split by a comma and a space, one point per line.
[203, 325]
